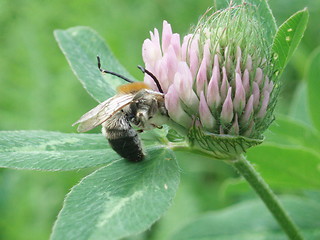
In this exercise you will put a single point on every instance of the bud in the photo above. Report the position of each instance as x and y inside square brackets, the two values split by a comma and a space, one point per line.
[218, 83]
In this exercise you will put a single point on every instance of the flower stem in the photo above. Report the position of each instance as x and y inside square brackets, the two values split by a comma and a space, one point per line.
[267, 196]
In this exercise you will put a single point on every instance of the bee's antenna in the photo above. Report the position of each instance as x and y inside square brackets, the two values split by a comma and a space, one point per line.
[112, 73]
[152, 76]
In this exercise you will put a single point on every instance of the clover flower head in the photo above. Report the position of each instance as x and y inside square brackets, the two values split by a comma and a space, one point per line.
[217, 80]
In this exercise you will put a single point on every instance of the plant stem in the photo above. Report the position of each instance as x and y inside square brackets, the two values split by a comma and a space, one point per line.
[267, 196]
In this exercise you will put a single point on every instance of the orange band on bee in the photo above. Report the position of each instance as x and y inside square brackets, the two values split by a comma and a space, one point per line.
[132, 87]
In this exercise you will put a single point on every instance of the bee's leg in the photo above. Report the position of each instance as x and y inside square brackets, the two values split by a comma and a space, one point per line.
[155, 126]
[162, 109]
[140, 130]
[152, 108]
[140, 119]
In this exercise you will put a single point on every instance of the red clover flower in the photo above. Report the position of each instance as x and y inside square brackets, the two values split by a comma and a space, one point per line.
[218, 81]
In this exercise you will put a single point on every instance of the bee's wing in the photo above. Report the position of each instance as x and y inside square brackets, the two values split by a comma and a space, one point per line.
[103, 112]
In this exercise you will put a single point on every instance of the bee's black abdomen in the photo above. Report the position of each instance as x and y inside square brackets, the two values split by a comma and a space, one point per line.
[123, 138]
[128, 148]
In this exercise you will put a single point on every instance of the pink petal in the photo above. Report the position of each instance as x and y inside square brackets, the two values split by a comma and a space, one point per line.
[184, 70]
[161, 72]
[238, 64]
[225, 84]
[150, 82]
[248, 111]
[185, 91]
[201, 81]
[172, 63]
[249, 63]
[256, 94]
[175, 109]
[216, 63]
[150, 52]
[194, 56]
[185, 47]
[175, 43]
[263, 110]
[213, 93]
[259, 76]
[227, 109]
[227, 60]
[239, 100]
[166, 35]
[246, 82]
[155, 36]
[206, 117]
[206, 53]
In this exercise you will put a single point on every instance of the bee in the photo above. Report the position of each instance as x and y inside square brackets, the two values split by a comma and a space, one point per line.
[135, 104]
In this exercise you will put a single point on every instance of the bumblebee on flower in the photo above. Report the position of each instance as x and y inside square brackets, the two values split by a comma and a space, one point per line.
[217, 86]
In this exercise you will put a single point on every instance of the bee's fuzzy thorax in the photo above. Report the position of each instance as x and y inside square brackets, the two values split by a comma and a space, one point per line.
[132, 87]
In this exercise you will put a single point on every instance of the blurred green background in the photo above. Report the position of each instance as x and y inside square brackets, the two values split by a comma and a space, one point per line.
[39, 91]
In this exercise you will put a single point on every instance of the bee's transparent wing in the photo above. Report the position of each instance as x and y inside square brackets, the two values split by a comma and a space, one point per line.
[103, 112]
